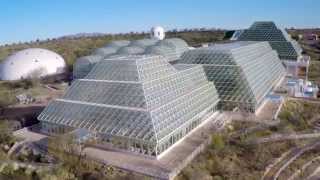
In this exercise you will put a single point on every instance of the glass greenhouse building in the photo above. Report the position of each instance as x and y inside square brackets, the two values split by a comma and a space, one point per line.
[172, 49]
[287, 48]
[138, 103]
[243, 72]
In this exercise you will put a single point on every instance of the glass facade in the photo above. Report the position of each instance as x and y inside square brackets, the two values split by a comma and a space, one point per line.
[172, 49]
[139, 103]
[243, 72]
[128, 50]
[105, 51]
[287, 48]
[118, 44]
[84, 65]
[144, 42]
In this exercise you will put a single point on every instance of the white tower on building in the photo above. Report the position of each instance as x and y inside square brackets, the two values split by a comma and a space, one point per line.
[158, 33]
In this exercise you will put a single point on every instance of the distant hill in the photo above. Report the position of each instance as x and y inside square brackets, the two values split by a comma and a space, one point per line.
[72, 47]
[83, 35]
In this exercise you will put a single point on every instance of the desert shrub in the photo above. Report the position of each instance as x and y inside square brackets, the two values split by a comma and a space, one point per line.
[6, 137]
[217, 142]
[6, 98]
[298, 115]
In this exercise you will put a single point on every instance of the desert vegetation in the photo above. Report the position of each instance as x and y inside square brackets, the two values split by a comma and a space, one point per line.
[63, 161]
[231, 154]
[311, 48]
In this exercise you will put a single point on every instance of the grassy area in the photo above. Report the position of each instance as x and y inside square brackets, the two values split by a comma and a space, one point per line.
[314, 71]
[9, 91]
[234, 160]
[7, 94]
[298, 116]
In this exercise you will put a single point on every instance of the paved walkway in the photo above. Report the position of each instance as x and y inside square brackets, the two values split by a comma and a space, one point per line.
[28, 135]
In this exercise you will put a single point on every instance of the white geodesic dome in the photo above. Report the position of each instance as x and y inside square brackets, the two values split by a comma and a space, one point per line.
[34, 62]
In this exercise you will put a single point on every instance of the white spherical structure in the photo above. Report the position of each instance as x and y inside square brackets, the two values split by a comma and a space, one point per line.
[157, 33]
[32, 62]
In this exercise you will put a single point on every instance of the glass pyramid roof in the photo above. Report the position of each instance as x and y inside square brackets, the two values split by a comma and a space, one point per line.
[243, 72]
[279, 40]
[136, 97]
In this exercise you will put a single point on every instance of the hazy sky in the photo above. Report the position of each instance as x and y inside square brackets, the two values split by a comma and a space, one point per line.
[25, 20]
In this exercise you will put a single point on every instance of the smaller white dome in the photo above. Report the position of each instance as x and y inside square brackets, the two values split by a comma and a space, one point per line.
[31, 62]
[157, 33]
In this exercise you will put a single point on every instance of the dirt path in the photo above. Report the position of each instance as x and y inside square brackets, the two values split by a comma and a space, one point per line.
[284, 137]
[274, 172]
[304, 167]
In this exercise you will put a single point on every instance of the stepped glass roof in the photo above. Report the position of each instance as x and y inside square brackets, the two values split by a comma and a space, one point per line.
[105, 51]
[280, 41]
[172, 49]
[85, 64]
[131, 50]
[118, 44]
[243, 72]
[142, 98]
[144, 42]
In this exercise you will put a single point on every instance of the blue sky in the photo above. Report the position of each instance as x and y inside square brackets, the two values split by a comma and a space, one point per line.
[25, 20]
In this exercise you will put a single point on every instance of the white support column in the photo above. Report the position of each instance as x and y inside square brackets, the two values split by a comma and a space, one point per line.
[307, 70]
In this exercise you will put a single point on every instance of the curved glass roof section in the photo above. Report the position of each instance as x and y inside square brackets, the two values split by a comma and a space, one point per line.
[144, 42]
[179, 45]
[172, 49]
[139, 98]
[84, 64]
[127, 50]
[118, 44]
[243, 72]
[163, 50]
[105, 51]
